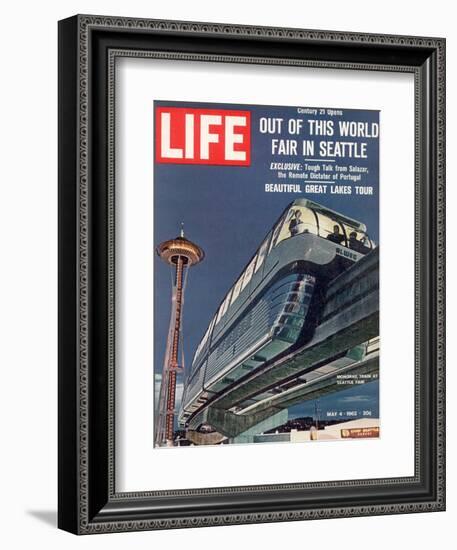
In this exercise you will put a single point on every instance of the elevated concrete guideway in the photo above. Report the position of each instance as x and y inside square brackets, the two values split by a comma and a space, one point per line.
[350, 319]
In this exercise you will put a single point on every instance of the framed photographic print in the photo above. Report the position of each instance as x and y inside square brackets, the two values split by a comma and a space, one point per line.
[251, 274]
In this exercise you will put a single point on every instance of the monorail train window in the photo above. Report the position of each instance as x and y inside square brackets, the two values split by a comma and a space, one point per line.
[193, 364]
[248, 273]
[237, 289]
[298, 220]
[226, 303]
[261, 255]
[211, 325]
[331, 229]
[276, 231]
[297, 308]
[197, 351]
[206, 336]
[223, 307]
[358, 240]
[203, 341]
[219, 313]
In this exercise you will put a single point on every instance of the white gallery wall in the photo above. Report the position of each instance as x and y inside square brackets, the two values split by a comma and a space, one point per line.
[28, 286]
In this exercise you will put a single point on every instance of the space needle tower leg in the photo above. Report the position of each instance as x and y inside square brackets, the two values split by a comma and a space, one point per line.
[173, 357]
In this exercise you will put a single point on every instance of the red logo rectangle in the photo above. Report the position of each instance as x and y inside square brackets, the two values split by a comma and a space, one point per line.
[202, 136]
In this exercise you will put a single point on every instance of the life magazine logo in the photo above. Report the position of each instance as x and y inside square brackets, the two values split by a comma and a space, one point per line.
[202, 136]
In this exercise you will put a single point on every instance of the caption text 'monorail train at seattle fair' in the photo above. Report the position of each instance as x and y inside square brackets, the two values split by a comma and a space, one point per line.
[248, 354]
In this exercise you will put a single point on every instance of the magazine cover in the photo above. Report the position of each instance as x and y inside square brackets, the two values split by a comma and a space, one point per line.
[266, 277]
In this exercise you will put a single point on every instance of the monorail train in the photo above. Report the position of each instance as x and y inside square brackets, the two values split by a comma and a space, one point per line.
[274, 305]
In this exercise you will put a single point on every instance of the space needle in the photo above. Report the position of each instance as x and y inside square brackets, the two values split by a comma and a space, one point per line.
[180, 254]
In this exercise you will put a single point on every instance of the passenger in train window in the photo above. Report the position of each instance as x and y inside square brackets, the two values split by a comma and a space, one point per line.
[296, 224]
[358, 246]
[366, 243]
[353, 242]
[336, 236]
